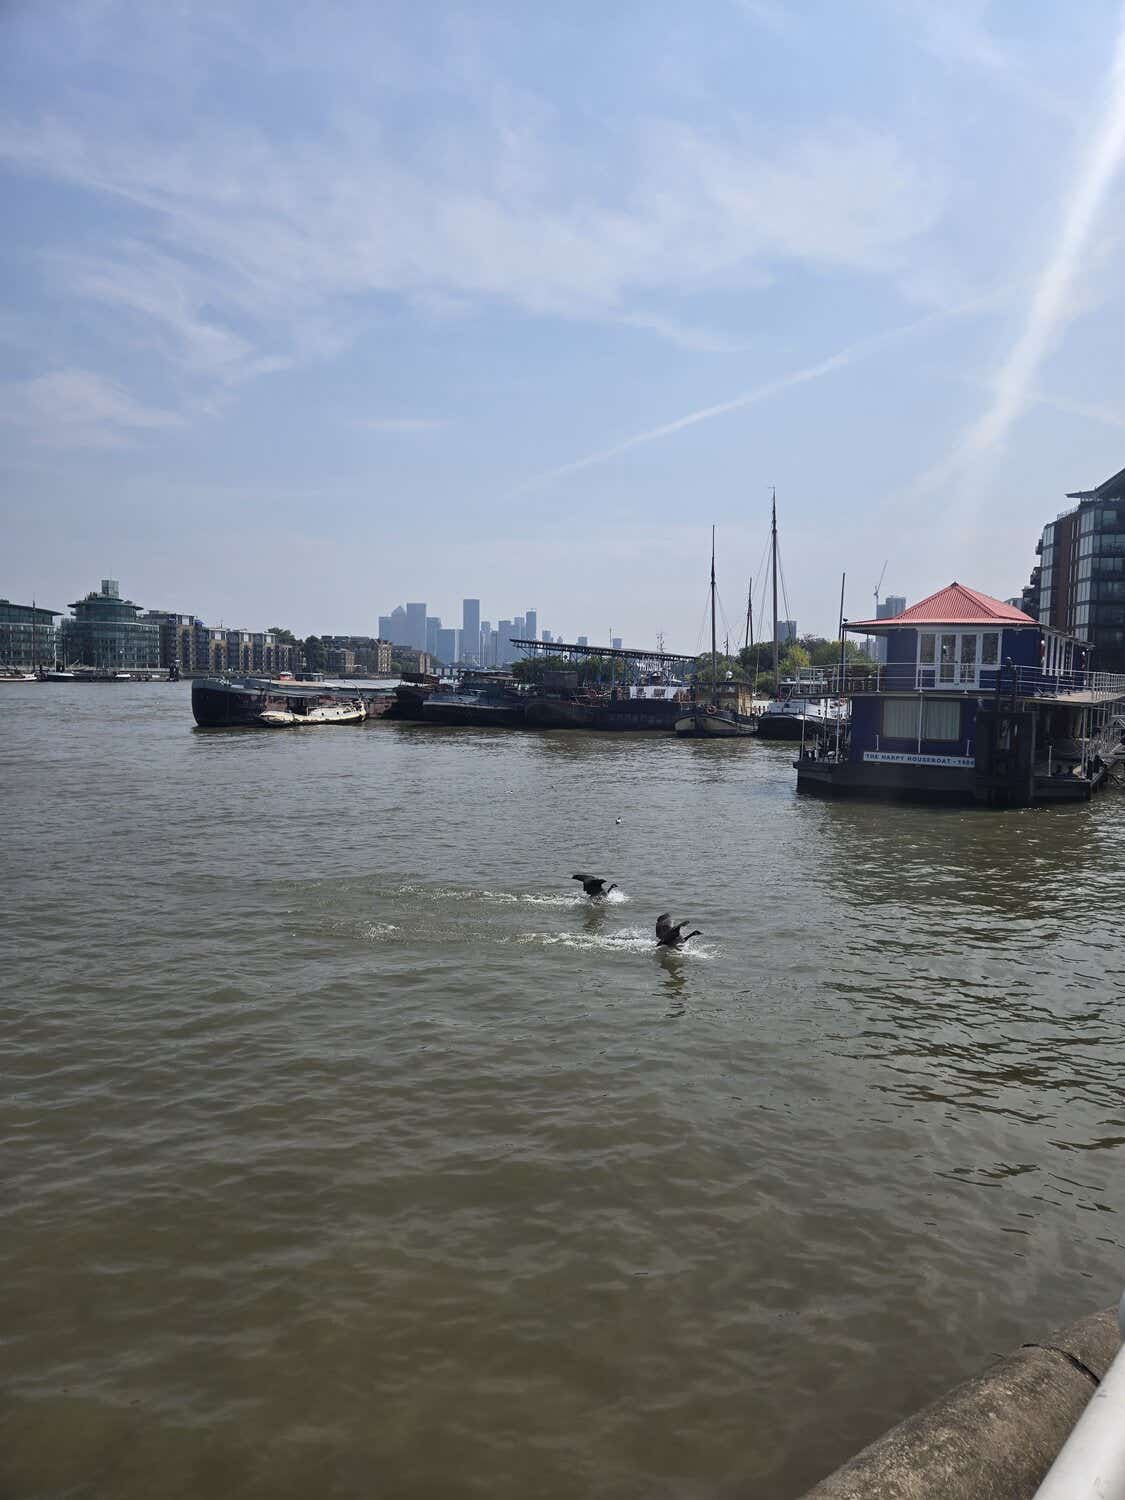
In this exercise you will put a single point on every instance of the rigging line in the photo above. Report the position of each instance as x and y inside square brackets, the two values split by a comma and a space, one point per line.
[704, 626]
[722, 612]
[784, 590]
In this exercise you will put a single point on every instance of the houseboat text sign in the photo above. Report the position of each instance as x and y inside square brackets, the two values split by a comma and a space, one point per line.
[901, 758]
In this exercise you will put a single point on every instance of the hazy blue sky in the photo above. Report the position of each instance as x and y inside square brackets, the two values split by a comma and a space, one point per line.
[313, 308]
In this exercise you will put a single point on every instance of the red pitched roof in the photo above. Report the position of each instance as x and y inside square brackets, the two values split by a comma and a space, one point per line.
[955, 605]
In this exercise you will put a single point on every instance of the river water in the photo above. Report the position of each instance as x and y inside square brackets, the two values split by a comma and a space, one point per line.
[348, 1150]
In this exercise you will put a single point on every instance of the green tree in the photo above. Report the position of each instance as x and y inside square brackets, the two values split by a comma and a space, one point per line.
[285, 636]
[315, 653]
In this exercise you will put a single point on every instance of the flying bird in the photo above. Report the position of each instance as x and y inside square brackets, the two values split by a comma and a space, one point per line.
[593, 886]
[671, 934]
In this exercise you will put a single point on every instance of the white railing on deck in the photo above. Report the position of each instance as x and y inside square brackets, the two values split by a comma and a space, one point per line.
[958, 677]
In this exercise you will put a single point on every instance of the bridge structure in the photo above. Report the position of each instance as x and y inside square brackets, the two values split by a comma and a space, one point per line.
[666, 662]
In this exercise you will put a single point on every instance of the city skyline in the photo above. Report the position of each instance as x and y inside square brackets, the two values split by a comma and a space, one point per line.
[351, 285]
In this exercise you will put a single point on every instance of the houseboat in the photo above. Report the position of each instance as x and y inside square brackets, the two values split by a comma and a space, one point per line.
[976, 702]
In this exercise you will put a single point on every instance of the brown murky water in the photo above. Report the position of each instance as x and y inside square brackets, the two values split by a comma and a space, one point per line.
[347, 1151]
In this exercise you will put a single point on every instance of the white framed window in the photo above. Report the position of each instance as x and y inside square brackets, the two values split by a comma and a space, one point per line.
[956, 658]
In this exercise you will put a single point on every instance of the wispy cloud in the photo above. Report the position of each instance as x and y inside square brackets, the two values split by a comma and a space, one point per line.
[1052, 303]
[1056, 296]
[1104, 415]
[862, 349]
[955, 32]
[79, 409]
[245, 252]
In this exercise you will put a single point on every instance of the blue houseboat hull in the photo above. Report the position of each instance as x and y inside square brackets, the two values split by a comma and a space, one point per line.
[887, 782]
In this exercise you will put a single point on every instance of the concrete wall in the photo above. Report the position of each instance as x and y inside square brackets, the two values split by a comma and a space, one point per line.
[995, 1436]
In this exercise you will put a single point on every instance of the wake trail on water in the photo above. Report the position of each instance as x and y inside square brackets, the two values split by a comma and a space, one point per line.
[513, 898]
[633, 940]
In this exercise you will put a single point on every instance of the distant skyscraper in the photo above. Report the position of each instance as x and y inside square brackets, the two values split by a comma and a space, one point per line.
[445, 647]
[548, 637]
[483, 654]
[470, 630]
[886, 609]
[582, 641]
[433, 625]
[531, 625]
[503, 643]
[416, 626]
[615, 642]
[786, 631]
[386, 625]
[492, 653]
[398, 633]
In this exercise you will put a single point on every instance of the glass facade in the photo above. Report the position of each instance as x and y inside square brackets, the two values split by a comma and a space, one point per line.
[27, 635]
[105, 633]
[1081, 574]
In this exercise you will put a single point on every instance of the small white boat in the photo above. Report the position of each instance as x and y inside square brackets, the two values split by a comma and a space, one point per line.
[349, 712]
[715, 723]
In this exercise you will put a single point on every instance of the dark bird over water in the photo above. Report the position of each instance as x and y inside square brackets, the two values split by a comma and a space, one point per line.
[671, 934]
[593, 886]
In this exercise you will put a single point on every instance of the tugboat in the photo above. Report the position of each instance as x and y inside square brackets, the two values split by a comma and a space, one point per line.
[722, 717]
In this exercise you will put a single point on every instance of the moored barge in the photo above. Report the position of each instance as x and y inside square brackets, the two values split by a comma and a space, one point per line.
[217, 702]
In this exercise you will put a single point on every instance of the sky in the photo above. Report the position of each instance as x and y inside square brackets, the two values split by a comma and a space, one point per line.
[312, 309]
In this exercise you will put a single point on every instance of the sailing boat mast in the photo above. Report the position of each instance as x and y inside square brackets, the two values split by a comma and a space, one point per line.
[776, 648]
[714, 656]
[750, 615]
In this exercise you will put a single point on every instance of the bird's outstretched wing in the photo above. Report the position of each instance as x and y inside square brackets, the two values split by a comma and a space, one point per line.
[580, 876]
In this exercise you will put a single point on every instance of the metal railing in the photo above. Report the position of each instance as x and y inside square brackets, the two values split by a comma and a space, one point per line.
[957, 677]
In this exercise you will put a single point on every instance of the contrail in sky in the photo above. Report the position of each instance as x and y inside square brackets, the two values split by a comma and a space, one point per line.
[1051, 303]
[857, 351]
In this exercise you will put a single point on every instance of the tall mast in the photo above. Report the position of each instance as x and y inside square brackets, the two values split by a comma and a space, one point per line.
[750, 615]
[714, 657]
[776, 647]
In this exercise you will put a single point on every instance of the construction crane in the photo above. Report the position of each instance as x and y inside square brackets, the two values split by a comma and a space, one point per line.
[878, 586]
